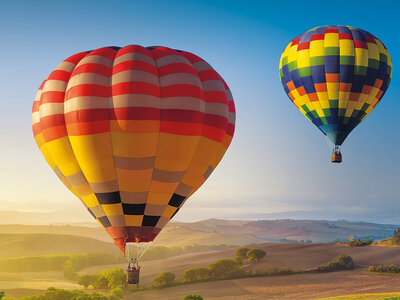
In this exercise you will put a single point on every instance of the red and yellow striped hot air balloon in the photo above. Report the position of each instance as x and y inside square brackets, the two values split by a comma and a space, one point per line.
[133, 132]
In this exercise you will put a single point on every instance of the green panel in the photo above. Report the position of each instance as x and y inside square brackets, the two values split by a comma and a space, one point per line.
[360, 70]
[388, 70]
[341, 112]
[354, 114]
[346, 120]
[365, 107]
[292, 66]
[373, 63]
[306, 71]
[305, 108]
[314, 113]
[317, 60]
[347, 60]
[333, 103]
[331, 51]
[324, 121]
[280, 73]
[327, 112]
[383, 57]
[284, 61]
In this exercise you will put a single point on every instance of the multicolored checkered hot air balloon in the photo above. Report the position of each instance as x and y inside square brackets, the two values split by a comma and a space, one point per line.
[133, 132]
[335, 75]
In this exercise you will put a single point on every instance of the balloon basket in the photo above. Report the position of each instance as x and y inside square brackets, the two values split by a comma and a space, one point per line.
[336, 155]
[132, 276]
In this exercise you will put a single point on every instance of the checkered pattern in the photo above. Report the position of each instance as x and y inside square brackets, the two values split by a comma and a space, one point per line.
[133, 132]
[335, 75]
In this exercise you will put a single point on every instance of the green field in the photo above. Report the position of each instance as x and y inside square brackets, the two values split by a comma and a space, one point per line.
[35, 280]
[380, 296]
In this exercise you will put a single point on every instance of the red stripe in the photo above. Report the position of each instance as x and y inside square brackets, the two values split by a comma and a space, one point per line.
[76, 57]
[231, 105]
[88, 90]
[215, 97]
[331, 30]
[183, 90]
[52, 121]
[318, 36]
[35, 106]
[92, 68]
[360, 44]
[54, 133]
[295, 41]
[87, 115]
[213, 133]
[135, 87]
[42, 85]
[191, 57]
[59, 75]
[181, 128]
[182, 115]
[36, 128]
[230, 129]
[133, 49]
[215, 121]
[176, 68]
[52, 97]
[135, 113]
[135, 65]
[162, 52]
[345, 36]
[302, 46]
[88, 128]
[105, 52]
[209, 75]
[369, 39]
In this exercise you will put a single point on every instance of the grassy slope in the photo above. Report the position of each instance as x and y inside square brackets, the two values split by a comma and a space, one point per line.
[16, 245]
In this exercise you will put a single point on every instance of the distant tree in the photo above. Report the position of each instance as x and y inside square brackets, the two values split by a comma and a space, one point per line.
[164, 278]
[255, 255]
[2, 294]
[346, 261]
[242, 252]
[195, 274]
[87, 280]
[222, 267]
[193, 297]
[69, 271]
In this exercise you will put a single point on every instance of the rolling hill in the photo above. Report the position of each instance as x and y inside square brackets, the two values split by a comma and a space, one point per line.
[36, 244]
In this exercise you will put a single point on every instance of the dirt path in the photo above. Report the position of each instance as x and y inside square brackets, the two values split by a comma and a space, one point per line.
[301, 286]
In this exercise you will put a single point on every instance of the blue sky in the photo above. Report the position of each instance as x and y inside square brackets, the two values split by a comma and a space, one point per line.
[278, 161]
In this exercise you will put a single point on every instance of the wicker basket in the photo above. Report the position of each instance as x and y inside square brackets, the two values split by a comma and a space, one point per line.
[132, 276]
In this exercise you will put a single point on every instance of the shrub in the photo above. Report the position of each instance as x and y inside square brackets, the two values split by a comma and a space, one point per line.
[371, 269]
[384, 269]
[2, 294]
[222, 267]
[242, 252]
[238, 260]
[164, 278]
[195, 274]
[193, 297]
[346, 261]
[255, 255]
[359, 243]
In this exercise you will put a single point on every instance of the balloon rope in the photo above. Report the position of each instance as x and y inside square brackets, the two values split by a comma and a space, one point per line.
[144, 251]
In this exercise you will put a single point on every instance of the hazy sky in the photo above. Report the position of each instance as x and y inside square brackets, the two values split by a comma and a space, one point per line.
[278, 161]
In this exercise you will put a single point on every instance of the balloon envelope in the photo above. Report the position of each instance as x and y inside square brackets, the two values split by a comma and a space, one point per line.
[335, 75]
[133, 132]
